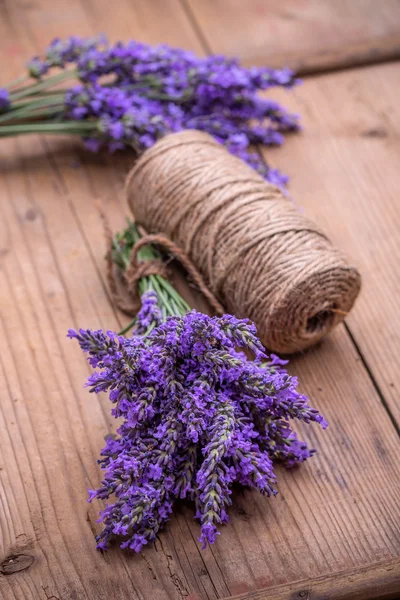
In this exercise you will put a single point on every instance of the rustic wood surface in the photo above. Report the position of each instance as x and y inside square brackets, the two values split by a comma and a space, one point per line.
[368, 583]
[335, 526]
[344, 170]
[307, 35]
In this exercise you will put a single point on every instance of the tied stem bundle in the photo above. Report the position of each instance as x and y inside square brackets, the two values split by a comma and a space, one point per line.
[196, 415]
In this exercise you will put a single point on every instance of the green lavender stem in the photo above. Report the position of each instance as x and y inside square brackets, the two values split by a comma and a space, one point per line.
[78, 127]
[170, 302]
[43, 85]
[44, 106]
[50, 97]
[17, 81]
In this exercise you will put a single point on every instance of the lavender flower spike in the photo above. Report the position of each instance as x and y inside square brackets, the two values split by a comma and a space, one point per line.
[196, 416]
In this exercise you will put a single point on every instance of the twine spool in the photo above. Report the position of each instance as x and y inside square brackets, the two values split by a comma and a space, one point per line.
[259, 255]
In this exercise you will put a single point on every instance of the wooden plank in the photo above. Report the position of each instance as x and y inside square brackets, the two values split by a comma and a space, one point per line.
[337, 512]
[307, 35]
[153, 22]
[379, 582]
[344, 172]
[36, 23]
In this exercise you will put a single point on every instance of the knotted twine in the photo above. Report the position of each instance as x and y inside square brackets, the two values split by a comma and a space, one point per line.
[138, 269]
[259, 256]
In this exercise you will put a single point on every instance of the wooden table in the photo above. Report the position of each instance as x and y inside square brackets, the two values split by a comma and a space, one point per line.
[334, 529]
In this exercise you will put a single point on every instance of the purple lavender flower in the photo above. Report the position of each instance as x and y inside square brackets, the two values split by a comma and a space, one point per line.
[4, 99]
[150, 313]
[61, 52]
[134, 93]
[37, 67]
[197, 415]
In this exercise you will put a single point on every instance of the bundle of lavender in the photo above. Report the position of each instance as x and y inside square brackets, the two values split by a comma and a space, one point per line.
[197, 414]
[131, 94]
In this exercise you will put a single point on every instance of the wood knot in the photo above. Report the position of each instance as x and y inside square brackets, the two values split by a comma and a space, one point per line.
[242, 514]
[31, 214]
[375, 132]
[15, 563]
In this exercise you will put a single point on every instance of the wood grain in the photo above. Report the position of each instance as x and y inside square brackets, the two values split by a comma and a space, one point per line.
[344, 170]
[35, 23]
[338, 512]
[307, 35]
[379, 581]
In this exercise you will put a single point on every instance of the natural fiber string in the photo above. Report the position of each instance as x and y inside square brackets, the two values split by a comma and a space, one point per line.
[259, 255]
[138, 269]
[129, 278]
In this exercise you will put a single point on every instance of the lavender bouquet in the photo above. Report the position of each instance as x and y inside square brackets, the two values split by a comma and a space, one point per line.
[131, 94]
[196, 414]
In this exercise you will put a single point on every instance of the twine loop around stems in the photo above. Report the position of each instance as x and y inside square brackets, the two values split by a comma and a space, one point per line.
[138, 269]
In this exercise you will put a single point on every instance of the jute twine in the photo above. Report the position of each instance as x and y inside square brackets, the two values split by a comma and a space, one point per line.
[138, 269]
[259, 256]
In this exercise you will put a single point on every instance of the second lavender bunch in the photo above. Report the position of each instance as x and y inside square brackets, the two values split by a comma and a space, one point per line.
[129, 95]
